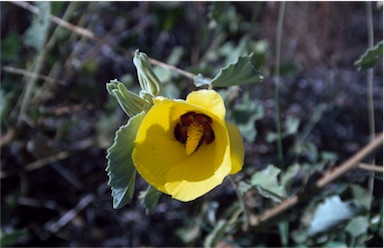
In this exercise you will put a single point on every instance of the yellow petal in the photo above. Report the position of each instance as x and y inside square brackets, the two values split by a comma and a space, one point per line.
[237, 147]
[208, 100]
[203, 171]
[153, 144]
[161, 160]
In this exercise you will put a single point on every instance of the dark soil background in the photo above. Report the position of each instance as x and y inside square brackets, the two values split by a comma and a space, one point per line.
[53, 179]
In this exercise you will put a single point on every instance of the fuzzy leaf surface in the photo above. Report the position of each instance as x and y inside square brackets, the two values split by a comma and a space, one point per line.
[150, 198]
[121, 170]
[267, 183]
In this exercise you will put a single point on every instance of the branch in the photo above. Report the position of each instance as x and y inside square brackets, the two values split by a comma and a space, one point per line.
[89, 34]
[327, 178]
[368, 167]
[26, 73]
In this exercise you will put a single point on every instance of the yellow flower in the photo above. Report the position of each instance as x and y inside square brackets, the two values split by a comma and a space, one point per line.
[186, 148]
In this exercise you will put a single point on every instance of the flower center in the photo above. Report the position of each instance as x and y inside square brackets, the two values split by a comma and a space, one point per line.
[193, 130]
[194, 137]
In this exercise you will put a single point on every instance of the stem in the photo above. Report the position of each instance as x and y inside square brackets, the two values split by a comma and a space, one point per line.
[327, 178]
[242, 204]
[371, 113]
[283, 223]
[30, 85]
[277, 85]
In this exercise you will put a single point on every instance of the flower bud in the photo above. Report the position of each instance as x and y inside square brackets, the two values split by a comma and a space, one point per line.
[148, 80]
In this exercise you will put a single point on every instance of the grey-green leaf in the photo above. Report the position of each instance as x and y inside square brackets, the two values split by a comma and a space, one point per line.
[36, 35]
[267, 183]
[150, 198]
[331, 213]
[200, 80]
[240, 72]
[121, 170]
[370, 58]
[358, 226]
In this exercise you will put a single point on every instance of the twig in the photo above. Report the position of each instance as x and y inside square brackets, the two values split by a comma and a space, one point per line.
[327, 178]
[92, 36]
[368, 167]
[277, 85]
[70, 215]
[36, 203]
[45, 161]
[349, 164]
[26, 73]
[57, 20]
[67, 175]
[172, 68]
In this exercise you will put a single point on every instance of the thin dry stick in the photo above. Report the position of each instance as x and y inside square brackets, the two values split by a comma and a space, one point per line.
[70, 215]
[56, 20]
[92, 36]
[26, 73]
[352, 162]
[46, 161]
[369, 167]
[327, 178]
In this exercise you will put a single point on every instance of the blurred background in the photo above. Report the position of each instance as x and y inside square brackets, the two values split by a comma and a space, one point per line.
[57, 119]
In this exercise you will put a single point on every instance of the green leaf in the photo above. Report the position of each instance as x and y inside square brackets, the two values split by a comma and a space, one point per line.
[358, 226]
[216, 235]
[149, 198]
[239, 72]
[331, 213]
[267, 183]
[200, 80]
[188, 234]
[370, 58]
[36, 34]
[362, 196]
[10, 47]
[245, 116]
[243, 187]
[289, 176]
[8, 239]
[121, 170]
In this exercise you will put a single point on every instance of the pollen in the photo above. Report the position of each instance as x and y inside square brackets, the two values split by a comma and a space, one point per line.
[195, 132]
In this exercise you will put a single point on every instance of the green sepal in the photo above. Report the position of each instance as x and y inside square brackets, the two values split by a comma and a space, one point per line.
[370, 58]
[131, 103]
[149, 198]
[121, 170]
[239, 72]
